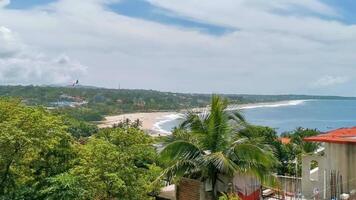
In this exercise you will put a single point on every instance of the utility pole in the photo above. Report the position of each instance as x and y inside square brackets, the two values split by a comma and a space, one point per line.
[296, 178]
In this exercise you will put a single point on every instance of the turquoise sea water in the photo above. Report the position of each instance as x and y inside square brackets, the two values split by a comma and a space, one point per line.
[323, 115]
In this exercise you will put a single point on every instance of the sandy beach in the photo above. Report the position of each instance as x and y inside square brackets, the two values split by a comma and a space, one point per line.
[150, 121]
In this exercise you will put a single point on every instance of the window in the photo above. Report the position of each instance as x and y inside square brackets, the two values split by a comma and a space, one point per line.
[314, 170]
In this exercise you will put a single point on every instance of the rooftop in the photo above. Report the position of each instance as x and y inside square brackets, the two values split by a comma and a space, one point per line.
[284, 140]
[342, 135]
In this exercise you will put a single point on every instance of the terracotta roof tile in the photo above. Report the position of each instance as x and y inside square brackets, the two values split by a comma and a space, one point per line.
[284, 140]
[342, 135]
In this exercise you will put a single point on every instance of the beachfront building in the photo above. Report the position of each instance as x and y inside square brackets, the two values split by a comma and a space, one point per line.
[331, 174]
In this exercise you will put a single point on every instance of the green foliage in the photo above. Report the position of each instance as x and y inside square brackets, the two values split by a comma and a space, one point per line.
[297, 138]
[287, 154]
[127, 123]
[117, 164]
[39, 159]
[78, 128]
[33, 146]
[269, 136]
[231, 196]
[82, 113]
[296, 148]
[62, 187]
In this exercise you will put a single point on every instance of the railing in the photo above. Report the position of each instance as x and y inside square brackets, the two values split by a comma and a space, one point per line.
[288, 188]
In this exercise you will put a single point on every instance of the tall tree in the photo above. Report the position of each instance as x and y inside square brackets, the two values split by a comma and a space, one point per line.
[215, 147]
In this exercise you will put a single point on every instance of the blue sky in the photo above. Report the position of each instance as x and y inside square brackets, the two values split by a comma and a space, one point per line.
[347, 8]
[229, 46]
[20, 4]
[140, 9]
[144, 10]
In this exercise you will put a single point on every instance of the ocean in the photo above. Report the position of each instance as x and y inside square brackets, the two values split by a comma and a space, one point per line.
[323, 115]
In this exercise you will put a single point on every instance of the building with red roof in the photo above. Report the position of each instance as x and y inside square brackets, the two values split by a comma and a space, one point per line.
[341, 136]
[331, 173]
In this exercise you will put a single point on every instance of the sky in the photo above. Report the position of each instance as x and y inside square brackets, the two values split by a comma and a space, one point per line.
[200, 46]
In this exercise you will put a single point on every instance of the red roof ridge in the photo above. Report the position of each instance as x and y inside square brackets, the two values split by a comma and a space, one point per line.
[341, 135]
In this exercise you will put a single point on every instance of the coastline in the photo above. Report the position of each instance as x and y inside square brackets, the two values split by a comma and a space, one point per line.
[152, 121]
[147, 119]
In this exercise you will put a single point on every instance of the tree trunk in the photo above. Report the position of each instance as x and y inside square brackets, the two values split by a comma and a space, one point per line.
[7, 170]
[4, 178]
[213, 182]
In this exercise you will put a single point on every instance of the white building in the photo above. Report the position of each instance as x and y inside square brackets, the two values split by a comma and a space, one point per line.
[330, 174]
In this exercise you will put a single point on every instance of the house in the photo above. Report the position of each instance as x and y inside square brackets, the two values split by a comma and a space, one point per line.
[331, 174]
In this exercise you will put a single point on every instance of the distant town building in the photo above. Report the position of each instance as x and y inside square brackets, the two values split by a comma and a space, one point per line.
[331, 174]
[65, 100]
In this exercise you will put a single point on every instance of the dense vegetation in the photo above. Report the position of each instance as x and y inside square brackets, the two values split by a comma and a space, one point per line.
[287, 153]
[39, 158]
[98, 102]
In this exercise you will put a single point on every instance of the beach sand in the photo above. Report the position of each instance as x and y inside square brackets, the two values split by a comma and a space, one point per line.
[148, 119]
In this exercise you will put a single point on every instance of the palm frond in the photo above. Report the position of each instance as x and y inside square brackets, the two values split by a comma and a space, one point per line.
[220, 162]
[264, 176]
[252, 155]
[179, 169]
[180, 150]
[218, 125]
[240, 141]
[238, 117]
[196, 123]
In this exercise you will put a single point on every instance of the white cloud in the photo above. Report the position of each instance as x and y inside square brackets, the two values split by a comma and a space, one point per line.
[269, 52]
[20, 64]
[260, 16]
[9, 43]
[328, 81]
[3, 3]
[314, 6]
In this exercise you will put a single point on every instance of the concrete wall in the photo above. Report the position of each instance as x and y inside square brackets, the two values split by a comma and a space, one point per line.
[339, 159]
[312, 181]
[352, 167]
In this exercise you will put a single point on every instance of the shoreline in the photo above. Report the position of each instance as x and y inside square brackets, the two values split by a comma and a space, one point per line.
[151, 121]
[147, 119]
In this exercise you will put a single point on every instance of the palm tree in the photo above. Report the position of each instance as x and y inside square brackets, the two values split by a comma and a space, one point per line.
[213, 147]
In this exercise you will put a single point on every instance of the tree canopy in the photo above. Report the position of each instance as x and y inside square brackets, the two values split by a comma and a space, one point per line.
[34, 145]
[40, 159]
